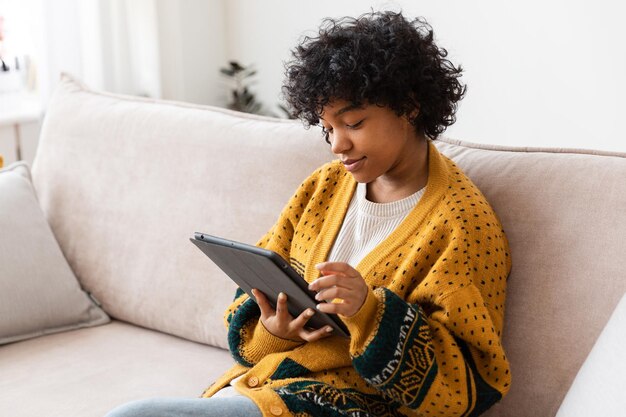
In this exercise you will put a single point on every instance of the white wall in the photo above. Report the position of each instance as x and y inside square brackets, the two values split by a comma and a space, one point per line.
[192, 43]
[22, 40]
[158, 48]
[539, 73]
[169, 49]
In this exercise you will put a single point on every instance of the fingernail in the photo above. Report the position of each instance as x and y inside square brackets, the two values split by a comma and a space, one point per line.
[329, 329]
[310, 312]
[318, 306]
[318, 266]
[317, 296]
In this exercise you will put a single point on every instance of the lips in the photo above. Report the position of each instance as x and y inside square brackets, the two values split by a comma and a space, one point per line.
[353, 164]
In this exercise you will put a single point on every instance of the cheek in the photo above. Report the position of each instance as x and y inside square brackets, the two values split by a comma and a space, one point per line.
[382, 142]
[386, 154]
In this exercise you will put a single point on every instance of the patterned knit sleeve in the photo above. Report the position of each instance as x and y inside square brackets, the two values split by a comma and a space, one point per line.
[441, 352]
[248, 340]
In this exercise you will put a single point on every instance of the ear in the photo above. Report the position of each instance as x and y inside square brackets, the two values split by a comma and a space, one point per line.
[410, 117]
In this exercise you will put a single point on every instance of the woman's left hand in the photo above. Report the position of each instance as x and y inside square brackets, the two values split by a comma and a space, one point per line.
[340, 281]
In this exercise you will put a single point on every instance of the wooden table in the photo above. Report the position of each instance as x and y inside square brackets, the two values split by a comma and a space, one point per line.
[16, 109]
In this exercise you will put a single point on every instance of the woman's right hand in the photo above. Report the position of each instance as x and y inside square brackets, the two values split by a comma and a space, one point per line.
[282, 324]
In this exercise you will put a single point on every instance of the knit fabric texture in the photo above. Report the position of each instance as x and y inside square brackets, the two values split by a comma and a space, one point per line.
[427, 340]
[367, 224]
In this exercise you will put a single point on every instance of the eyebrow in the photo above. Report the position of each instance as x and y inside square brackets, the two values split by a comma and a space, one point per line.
[348, 108]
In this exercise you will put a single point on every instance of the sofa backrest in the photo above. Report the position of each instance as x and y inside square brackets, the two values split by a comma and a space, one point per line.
[564, 213]
[125, 182]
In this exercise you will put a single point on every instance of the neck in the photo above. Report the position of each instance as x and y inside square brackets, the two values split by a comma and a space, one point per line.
[408, 177]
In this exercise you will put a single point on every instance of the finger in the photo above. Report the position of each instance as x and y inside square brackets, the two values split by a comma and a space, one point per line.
[281, 307]
[312, 336]
[337, 267]
[300, 321]
[329, 281]
[264, 304]
[323, 282]
[333, 292]
[344, 308]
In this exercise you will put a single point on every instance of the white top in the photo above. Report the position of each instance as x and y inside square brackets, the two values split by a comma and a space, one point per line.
[367, 224]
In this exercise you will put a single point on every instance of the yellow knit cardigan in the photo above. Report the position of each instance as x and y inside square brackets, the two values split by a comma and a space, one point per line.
[427, 340]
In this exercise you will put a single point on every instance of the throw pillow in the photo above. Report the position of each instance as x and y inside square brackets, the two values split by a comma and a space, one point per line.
[39, 293]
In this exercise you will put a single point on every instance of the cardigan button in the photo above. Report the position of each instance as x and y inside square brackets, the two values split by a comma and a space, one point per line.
[253, 381]
[276, 410]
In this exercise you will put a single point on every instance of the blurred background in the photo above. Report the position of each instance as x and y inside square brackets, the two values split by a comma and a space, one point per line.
[539, 73]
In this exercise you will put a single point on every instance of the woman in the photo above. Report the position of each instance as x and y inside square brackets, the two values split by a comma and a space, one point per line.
[407, 248]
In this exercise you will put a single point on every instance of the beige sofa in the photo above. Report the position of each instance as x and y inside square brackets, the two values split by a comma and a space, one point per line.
[124, 182]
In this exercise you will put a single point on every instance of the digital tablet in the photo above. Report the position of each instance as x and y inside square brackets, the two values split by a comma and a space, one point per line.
[253, 267]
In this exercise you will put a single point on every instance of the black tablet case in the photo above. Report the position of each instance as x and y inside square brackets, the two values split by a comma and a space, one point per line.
[253, 267]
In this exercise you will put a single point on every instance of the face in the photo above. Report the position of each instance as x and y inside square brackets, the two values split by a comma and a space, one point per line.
[372, 141]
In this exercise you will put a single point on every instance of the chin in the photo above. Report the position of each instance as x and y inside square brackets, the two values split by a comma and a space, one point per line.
[362, 179]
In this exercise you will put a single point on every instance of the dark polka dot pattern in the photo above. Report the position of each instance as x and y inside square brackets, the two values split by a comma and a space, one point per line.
[428, 336]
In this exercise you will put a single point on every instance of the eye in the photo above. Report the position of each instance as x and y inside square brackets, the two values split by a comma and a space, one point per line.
[355, 125]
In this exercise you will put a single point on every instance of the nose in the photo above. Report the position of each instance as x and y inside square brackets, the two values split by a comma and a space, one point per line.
[340, 142]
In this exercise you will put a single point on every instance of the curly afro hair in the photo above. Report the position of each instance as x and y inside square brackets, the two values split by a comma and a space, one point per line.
[378, 58]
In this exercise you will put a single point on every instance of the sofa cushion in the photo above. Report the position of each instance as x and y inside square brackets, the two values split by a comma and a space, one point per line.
[125, 182]
[562, 211]
[39, 294]
[599, 387]
[88, 372]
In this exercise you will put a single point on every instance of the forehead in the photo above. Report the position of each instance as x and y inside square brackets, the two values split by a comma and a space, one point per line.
[336, 108]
